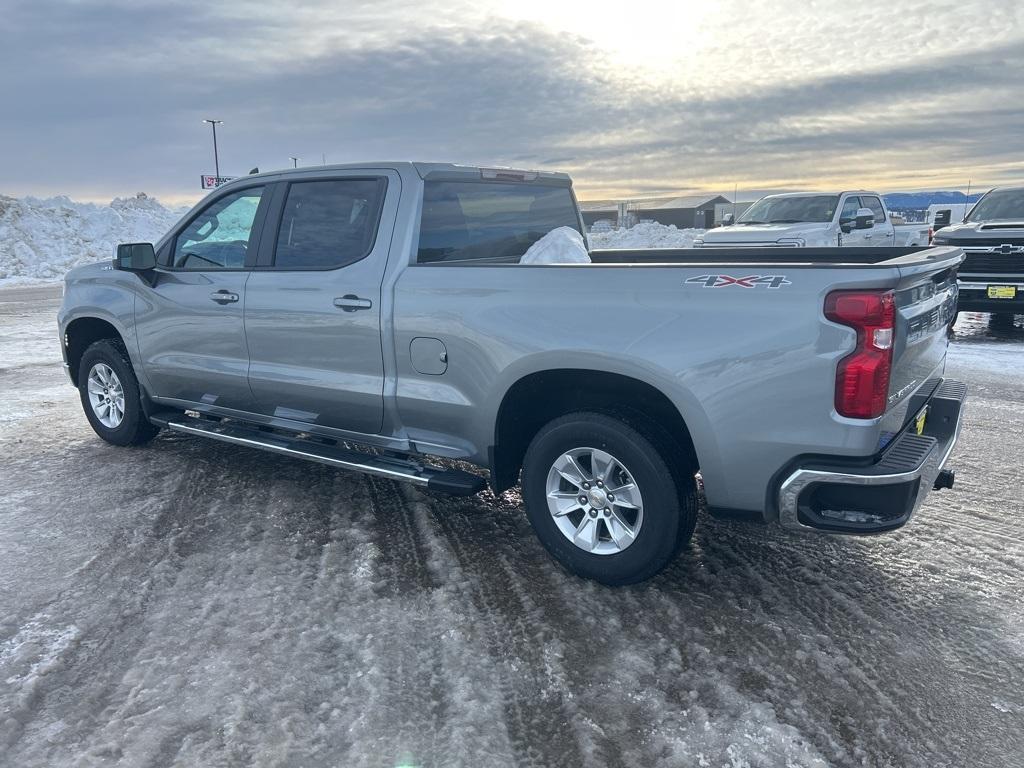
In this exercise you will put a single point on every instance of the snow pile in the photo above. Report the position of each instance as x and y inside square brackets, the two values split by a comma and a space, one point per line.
[43, 239]
[647, 234]
[559, 246]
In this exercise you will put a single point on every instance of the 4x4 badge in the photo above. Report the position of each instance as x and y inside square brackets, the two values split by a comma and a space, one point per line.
[750, 281]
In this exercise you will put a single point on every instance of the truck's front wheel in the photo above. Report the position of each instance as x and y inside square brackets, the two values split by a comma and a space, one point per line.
[110, 395]
[603, 501]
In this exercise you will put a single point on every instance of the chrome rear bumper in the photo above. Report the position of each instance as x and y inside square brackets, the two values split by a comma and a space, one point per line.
[884, 494]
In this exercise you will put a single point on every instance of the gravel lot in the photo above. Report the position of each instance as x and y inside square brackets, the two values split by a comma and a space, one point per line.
[194, 604]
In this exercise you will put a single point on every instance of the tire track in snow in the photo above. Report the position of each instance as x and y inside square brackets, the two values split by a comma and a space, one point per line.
[125, 571]
[541, 722]
[857, 622]
[402, 550]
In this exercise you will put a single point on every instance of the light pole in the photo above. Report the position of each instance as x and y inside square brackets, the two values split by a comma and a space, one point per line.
[295, 161]
[216, 160]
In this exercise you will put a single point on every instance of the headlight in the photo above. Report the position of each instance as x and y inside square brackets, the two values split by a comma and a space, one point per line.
[698, 243]
[939, 240]
[792, 242]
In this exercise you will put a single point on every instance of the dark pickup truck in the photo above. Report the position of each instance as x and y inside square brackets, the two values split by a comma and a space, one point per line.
[991, 279]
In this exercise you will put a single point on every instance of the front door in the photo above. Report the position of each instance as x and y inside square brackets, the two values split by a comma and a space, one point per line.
[190, 323]
[313, 314]
[847, 218]
[882, 234]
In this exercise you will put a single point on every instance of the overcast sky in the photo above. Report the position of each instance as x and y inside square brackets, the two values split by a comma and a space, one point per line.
[632, 98]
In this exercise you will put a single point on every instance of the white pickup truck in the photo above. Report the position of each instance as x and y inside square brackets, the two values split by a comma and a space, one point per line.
[816, 220]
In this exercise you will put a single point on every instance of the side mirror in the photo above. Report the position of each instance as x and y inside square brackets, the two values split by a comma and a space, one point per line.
[135, 257]
[942, 219]
[728, 220]
[865, 219]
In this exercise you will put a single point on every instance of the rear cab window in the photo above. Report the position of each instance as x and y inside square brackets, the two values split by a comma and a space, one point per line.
[493, 221]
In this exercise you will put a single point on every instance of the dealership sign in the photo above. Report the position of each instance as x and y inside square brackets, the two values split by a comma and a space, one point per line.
[212, 182]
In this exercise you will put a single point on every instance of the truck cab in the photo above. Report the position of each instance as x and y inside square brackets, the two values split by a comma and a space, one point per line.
[806, 219]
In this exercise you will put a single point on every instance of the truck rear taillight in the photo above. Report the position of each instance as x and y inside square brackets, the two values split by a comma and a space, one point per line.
[862, 377]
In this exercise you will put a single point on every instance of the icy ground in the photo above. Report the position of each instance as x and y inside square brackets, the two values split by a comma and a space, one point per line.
[193, 604]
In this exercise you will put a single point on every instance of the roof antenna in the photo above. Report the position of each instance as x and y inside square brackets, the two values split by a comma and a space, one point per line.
[967, 202]
[254, 170]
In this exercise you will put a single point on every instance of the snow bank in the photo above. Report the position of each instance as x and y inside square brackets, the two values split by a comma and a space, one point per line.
[645, 235]
[43, 239]
[559, 246]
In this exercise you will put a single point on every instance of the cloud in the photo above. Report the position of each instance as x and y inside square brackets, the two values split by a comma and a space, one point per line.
[107, 98]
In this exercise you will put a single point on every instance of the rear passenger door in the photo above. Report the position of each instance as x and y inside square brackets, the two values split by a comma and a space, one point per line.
[313, 309]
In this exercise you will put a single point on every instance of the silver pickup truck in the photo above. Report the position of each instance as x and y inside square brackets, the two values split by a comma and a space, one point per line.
[370, 317]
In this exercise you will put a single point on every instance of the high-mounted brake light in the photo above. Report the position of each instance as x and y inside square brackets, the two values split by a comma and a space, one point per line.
[507, 174]
[862, 377]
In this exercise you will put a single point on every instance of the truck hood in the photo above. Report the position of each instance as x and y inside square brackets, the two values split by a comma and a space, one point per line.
[1009, 230]
[765, 233]
[92, 271]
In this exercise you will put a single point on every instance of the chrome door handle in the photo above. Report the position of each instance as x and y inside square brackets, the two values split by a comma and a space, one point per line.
[350, 303]
[224, 297]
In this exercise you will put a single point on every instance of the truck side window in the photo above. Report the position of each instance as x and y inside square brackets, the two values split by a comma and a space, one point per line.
[218, 237]
[466, 220]
[850, 208]
[876, 208]
[328, 224]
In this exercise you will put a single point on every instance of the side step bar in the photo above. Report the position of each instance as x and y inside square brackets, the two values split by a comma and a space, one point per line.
[451, 481]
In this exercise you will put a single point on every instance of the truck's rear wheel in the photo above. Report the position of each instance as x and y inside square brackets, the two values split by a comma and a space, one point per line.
[110, 395]
[603, 501]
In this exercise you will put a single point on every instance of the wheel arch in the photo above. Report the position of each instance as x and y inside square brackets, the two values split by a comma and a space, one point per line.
[538, 397]
[80, 333]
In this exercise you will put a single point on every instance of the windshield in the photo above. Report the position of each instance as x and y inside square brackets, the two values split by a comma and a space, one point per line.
[790, 210]
[999, 204]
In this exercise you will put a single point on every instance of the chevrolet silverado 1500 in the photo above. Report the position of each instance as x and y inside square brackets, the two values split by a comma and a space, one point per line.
[370, 317]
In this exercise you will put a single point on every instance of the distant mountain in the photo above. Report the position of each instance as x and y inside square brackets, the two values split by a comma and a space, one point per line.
[915, 201]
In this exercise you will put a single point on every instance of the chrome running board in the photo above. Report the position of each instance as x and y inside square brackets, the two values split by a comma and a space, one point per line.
[300, 446]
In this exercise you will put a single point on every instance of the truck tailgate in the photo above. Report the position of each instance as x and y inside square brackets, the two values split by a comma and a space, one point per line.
[925, 300]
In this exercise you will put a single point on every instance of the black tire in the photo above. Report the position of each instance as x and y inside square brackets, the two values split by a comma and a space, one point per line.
[135, 428]
[669, 498]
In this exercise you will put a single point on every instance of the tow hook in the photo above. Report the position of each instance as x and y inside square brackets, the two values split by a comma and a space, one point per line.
[944, 479]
